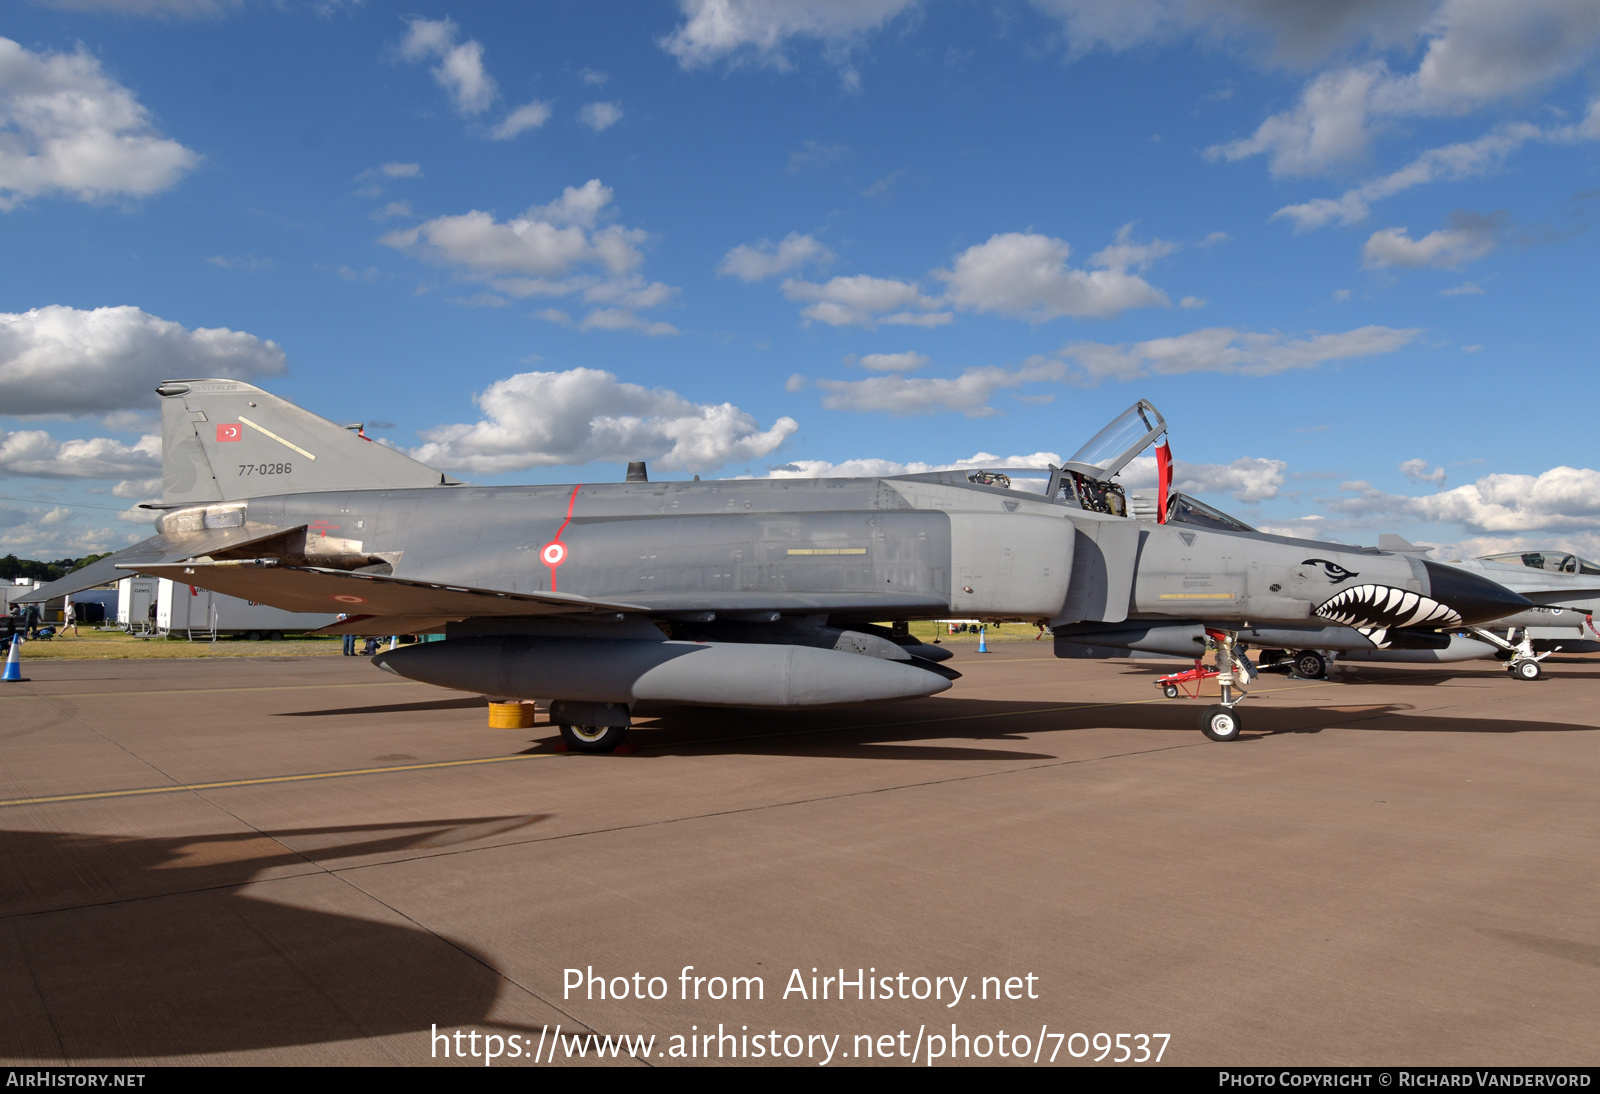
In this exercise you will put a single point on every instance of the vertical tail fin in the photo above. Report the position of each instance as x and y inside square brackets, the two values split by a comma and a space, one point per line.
[222, 440]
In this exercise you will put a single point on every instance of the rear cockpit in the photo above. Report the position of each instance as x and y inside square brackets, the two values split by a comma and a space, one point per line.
[1557, 562]
[1088, 480]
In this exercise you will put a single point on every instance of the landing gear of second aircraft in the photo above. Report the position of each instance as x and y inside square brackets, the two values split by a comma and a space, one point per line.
[1521, 661]
[1310, 664]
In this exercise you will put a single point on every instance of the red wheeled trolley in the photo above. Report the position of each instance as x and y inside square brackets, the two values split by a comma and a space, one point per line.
[1186, 683]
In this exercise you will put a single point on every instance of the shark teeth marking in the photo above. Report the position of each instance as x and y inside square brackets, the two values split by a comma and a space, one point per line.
[1378, 636]
[1377, 609]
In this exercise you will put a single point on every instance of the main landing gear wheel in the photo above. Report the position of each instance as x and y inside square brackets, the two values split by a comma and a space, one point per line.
[1525, 670]
[1220, 723]
[1170, 691]
[593, 738]
[1309, 663]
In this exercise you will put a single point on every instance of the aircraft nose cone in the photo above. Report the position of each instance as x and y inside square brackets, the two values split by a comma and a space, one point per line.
[1476, 599]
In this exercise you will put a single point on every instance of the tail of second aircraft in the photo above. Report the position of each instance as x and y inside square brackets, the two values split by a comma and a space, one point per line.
[223, 440]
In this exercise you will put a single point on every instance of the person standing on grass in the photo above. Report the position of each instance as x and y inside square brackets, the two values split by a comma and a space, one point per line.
[69, 618]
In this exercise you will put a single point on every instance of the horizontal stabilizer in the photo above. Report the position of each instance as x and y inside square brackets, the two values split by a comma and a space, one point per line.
[310, 589]
[170, 547]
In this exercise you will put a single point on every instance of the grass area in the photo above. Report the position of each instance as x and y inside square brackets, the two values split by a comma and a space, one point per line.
[96, 645]
[997, 632]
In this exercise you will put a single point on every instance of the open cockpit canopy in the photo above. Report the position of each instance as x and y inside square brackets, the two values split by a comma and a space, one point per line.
[1111, 449]
[1086, 478]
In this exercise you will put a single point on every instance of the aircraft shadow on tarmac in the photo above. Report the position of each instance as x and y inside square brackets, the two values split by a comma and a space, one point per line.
[116, 947]
[897, 731]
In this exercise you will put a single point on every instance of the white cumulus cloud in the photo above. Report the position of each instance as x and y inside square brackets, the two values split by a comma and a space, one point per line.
[33, 453]
[1477, 52]
[764, 260]
[531, 116]
[1417, 471]
[1026, 276]
[60, 360]
[759, 29]
[559, 249]
[1248, 479]
[460, 69]
[1448, 248]
[1226, 350]
[1562, 499]
[864, 301]
[600, 116]
[67, 127]
[537, 419]
[893, 362]
[968, 393]
[1451, 162]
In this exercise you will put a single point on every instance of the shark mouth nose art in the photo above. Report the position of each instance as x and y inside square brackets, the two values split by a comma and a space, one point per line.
[1374, 610]
[1458, 599]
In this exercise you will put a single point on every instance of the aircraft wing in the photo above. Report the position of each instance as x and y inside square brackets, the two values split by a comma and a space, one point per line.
[157, 549]
[313, 589]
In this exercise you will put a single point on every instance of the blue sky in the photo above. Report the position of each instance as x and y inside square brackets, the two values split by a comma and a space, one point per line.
[1346, 249]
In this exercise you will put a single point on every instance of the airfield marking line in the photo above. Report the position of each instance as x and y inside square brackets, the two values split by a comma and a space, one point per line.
[200, 691]
[273, 779]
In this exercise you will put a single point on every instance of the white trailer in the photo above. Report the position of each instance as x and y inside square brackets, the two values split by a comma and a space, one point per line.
[134, 597]
[185, 609]
[13, 588]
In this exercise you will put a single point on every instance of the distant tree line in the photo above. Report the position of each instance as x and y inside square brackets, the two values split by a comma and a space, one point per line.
[12, 567]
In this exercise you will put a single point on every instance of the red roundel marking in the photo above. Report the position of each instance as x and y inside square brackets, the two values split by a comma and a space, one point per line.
[554, 554]
[346, 598]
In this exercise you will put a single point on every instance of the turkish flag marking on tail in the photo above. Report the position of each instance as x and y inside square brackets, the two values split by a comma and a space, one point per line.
[229, 431]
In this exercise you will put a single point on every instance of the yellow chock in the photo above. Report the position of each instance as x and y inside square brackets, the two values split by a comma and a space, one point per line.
[511, 715]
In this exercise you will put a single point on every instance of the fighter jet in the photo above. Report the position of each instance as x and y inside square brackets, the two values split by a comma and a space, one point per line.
[1564, 591]
[610, 599]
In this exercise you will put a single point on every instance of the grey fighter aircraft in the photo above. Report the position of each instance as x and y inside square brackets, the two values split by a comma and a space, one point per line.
[1563, 589]
[612, 598]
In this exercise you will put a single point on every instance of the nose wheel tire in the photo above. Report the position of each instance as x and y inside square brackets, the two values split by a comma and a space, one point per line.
[1525, 670]
[593, 738]
[1309, 663]
[1220, 723]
